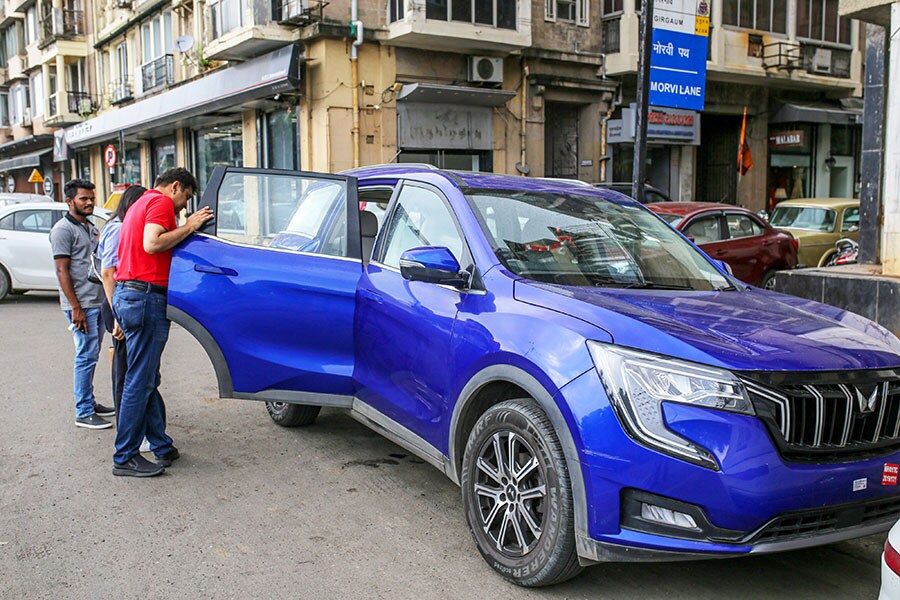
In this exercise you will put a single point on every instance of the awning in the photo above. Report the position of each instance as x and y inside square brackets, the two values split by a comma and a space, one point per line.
[276, 72]
[453, 94]
[23, 161]
[796, 112]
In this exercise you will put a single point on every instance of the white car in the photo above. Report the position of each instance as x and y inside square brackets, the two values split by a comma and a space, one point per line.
[7, 198]
[890, 566]
[26, 261]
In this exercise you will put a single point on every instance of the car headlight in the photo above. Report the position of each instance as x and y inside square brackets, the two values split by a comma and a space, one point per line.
[637, 384]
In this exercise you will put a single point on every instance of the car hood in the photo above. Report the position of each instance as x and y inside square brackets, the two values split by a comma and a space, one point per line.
[751, 330]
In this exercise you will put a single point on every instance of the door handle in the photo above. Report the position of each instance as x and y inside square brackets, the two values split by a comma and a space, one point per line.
[371, 295]
[214, 270]
[767, 243]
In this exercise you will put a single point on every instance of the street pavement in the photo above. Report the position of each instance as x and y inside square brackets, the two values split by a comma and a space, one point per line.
[253, 510]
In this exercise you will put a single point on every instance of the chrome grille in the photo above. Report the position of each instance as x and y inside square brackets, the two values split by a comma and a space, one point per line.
[811, 420]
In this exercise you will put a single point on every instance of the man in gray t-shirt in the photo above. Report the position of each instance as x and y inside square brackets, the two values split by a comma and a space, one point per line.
[74, 240]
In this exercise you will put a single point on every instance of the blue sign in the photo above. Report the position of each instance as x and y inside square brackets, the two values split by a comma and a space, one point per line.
[678, 69]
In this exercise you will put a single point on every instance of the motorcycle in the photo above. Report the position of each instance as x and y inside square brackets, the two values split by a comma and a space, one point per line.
[846, 253]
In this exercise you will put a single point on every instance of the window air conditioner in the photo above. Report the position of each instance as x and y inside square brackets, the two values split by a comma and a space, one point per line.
[485, 69]
[821, 61]
[85, 106]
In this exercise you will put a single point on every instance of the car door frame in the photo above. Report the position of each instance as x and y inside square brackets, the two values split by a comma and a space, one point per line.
[207, 340]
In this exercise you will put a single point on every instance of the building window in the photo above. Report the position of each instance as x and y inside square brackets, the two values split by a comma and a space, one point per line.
[225, 15]
[4, 109]
[31, 24]
[762, 15]
[281, 140]
[37, 94]
[612, 7]
[19, 111]
[158, 68]
[498, 13]
[577, 11]
[395, 10]
[819, 20]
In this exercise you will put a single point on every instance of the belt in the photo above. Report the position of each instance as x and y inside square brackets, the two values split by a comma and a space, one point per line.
[143, 286]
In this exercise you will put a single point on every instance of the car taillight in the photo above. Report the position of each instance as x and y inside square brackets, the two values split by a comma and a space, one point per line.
[795, 243]
[891, 557]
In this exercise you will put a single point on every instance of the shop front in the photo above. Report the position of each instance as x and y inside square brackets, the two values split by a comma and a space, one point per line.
[451, 127]
[672, 136]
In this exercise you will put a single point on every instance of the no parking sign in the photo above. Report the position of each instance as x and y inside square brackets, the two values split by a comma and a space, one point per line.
[109, 156]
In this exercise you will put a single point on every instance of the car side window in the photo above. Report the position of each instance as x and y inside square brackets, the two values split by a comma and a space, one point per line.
[851, 219]
[7, 222]
[34, 221]
[283, 211]
[703, 230]
[420, 218]
[741, 226]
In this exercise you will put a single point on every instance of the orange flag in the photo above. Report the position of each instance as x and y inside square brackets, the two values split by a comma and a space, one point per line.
[745, 159]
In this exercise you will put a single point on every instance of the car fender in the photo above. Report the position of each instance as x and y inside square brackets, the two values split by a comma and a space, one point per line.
[525, 380]
[209, 344]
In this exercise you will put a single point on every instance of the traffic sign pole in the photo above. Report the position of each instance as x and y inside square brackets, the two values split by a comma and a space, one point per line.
[639, 166]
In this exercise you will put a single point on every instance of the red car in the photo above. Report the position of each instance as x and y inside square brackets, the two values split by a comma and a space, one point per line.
[752, 247]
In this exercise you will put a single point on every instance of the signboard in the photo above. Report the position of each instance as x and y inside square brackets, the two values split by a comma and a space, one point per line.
[48, 186]
[671, 125]
[786, 139]
[678, 53]
[109, 156]
[35, 177]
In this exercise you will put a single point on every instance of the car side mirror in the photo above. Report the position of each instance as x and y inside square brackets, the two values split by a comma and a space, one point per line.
[723, 265]
[432, 264]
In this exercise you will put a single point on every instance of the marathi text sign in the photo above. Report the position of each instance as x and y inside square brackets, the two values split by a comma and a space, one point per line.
[678, 53]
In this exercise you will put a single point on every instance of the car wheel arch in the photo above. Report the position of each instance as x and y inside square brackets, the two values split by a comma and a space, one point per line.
[489, 381]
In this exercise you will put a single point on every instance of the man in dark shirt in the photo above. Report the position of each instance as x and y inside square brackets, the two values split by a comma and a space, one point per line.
[149, 232]
[73, 240]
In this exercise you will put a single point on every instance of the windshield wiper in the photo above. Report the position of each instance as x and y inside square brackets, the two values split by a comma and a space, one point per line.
[656, 286]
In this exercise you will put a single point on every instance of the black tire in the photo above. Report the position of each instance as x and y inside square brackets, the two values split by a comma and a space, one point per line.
[768, 280]
[5, 284]
[531, 541]
[292, 415]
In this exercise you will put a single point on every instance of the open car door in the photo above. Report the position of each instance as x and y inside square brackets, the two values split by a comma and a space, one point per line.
[268, 287]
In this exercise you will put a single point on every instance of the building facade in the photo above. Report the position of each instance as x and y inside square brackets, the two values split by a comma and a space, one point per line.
[509, 86]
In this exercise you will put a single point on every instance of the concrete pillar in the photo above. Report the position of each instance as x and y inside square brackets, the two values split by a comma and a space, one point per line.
[250, 136]
[62, 100]
[890, 234]
[686, 174]
[872, 146]
[820, 154]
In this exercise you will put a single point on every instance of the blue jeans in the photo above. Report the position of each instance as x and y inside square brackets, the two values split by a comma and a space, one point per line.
[87, 350]
[142, 316]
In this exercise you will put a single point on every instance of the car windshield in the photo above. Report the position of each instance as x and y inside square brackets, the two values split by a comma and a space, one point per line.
[803, 217]
[582, 240]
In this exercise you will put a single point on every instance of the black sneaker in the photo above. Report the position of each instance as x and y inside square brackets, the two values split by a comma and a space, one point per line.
[166, 459]
[104, 411]
[138, 467]
[92, 422]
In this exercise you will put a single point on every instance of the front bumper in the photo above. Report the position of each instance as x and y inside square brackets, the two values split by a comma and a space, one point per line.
[756, 503]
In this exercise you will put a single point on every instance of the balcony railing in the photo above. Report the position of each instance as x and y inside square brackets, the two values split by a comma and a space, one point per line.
[61, 23]
[299, 11]
[158, 73]
[120, 90]
[81, 103]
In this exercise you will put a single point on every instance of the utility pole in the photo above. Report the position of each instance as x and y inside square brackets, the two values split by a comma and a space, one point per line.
[639, 170]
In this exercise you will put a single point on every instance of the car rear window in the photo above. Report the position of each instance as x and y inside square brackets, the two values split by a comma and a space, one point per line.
[803, 217]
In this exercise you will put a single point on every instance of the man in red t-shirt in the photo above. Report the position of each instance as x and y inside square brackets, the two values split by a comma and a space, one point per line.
[148, 234]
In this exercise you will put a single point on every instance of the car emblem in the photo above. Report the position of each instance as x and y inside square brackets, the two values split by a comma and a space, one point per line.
[867, 404]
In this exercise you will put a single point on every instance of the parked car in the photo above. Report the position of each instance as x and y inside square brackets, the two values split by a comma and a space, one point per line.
[890, 566]
[817, 223]
[26, 261]
[7, 198]
[651, 194]
[600, 389]
[752, 248]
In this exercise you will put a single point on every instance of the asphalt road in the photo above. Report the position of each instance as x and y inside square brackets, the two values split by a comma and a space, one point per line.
[253, 510]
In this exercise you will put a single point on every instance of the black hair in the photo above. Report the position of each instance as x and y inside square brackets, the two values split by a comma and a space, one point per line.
[179, 174]
[73, 185]
[129, 197]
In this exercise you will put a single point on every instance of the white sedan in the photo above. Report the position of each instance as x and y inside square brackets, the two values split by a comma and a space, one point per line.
[26, 261]
[890, 566]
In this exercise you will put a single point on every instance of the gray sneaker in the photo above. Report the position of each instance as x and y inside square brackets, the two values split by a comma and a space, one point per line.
[92, 422]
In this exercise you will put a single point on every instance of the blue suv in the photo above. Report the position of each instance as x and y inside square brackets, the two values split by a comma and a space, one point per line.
[599, 388]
